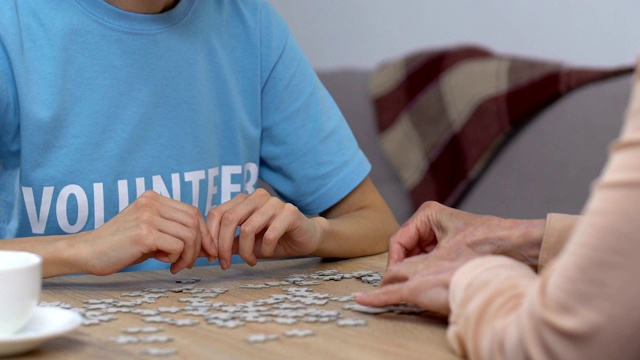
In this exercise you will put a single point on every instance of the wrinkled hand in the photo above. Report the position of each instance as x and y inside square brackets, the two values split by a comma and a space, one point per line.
[422, 280]
[153, 226]
[268, 228]
[435, 224]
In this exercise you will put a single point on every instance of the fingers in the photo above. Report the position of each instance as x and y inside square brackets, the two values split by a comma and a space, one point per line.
[273, 220]
[268, 227]
[398, 250]
[214, 223]
[224, 220]
[397, 273]
[424, 292]
[422, 280]
[406, 284]
[420, 234]
[177, 220]
[190, 242]
[153, 226]
[246, 240]
[395, 283]
[261, 233]
[284, 221]
[411, 239]
[208, 248]
[190, 232]
[163, 247]
[434, 299]
[383, 296]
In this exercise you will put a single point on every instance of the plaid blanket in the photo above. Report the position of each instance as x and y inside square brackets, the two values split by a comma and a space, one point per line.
[442, 114]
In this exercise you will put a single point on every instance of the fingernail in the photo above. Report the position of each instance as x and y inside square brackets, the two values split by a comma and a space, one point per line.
[224, 264]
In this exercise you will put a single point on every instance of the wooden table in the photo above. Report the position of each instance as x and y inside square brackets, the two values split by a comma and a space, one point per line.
[386, 336]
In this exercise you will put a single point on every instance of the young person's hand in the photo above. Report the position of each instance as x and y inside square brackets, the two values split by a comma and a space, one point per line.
[153, 226]
[421, 280]
[435, 224]
[269, 228]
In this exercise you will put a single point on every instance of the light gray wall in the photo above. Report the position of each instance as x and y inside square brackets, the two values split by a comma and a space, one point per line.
[362, 33]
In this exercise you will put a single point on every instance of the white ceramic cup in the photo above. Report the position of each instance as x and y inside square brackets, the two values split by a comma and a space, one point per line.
[20, 285]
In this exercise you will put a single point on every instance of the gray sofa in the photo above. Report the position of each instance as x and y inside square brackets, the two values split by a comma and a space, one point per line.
[547, 166]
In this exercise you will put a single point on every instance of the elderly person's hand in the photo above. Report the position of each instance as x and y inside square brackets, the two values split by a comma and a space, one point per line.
[434, 224]
[421, 280]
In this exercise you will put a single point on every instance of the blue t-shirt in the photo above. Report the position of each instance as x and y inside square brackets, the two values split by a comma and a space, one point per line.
[98, 105]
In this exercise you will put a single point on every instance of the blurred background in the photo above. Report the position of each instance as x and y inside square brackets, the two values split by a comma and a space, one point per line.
[545, 164]
[362, 33]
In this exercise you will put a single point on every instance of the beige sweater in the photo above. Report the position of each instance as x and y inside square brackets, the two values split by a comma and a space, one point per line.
[585, 301]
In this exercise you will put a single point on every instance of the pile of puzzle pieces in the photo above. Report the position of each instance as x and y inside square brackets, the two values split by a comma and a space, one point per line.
[297, 304]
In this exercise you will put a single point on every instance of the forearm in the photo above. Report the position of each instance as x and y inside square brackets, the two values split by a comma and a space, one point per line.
[359, 225]
[361, 233]
[576, 308]
[59, 252]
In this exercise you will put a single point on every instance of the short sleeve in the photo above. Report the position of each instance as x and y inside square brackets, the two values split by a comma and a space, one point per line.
[309, 154]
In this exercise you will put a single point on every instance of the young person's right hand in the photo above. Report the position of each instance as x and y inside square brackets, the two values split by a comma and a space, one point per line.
[153, 226]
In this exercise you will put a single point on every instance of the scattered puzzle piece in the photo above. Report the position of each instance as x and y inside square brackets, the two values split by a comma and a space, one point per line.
[155, 339]
[254, 286]
[260, 338]
[366, 309]
[298, 333]
[285, 321]
[147, 330]
[124, 340]
[293, 306]
[185, 322]
[188, 281]
[351, 322]
[160, 351]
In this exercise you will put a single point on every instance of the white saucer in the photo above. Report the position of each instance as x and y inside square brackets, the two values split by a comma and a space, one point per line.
[45, 324]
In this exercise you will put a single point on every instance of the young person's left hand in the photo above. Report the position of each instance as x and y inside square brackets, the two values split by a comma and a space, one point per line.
[269, 228]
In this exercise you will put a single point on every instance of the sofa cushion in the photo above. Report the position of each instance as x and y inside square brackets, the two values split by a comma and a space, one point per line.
[442, 114]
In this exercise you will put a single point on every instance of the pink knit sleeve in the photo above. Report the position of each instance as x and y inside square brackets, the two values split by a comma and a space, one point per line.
[585, 304]
[556, 233]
